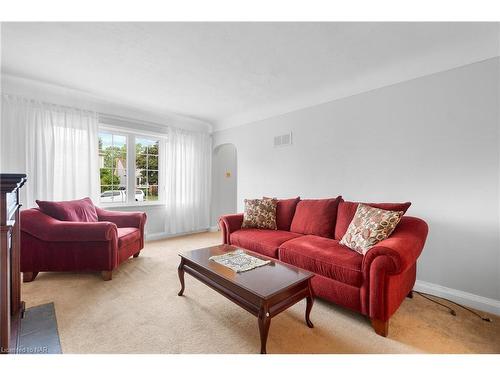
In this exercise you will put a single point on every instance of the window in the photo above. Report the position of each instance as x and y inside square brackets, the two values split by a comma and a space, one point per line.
[117, 155]
[146, 169]
[113, 167]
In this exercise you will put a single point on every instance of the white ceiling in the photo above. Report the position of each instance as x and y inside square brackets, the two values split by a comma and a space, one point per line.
[234, 73]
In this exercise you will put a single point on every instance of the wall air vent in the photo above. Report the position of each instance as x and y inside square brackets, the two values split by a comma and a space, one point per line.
[283, 140]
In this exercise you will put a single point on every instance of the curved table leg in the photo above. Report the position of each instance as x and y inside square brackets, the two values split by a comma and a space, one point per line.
[310, 302]
[264, 323]
[180, 271]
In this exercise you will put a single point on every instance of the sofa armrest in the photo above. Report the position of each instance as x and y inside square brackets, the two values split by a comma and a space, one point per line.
[46, 228]
[123, 219]
[401, 249]
[228, 224]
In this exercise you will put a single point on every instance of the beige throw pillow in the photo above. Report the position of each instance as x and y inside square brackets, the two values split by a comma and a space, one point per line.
[260, 213]
[370, 226]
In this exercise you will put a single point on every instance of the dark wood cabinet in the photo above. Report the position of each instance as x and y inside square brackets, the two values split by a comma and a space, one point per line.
[11, 306]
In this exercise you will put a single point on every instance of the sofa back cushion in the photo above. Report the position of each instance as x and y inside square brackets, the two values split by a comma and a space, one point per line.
[315, 216]
[81, 210]
[347, 210]
[285, 209]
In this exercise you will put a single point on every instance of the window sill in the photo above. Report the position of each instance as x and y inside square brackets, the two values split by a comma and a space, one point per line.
[131, 205]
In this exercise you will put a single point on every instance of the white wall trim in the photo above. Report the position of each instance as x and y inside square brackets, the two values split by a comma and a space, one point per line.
[465, 298]
[164, 235]
[214, 228]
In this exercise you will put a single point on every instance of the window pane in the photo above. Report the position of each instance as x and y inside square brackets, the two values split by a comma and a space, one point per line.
[146, 174]
[105, 141]
[119, 142]
[140, 147]
[152, 162]
[153, 177]
[107, 177]
[140, 194]
[153, 149]
[106, 159]
[113, 167]
[119, 194]
[141, 161]
[106, 191]
[120, 177]
[152, 194]
[145, 144]
[120, 161]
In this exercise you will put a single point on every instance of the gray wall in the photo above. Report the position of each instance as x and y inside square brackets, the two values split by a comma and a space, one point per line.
[433, 141]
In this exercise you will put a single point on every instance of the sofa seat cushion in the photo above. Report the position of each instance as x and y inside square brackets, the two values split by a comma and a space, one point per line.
[325, 257]
[262, 241]
[127, 236]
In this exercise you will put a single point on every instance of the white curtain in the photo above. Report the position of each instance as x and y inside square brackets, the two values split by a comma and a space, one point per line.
[55, 146]
[188, 160]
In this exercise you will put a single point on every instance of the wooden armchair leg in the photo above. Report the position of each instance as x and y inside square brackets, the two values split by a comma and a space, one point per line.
[381, 328]
[410, 295]
[107, 275]
[29, 276]
[137, 254]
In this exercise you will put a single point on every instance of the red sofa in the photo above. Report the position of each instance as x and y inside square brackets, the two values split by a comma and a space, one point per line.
[97, 242]
[308, 237]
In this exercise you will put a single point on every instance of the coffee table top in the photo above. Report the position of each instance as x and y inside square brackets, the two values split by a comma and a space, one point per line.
[263, 281]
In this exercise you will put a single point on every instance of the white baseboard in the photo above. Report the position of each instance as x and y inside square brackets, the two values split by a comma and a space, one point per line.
[464, 298]
[215, 228]
[163, 235]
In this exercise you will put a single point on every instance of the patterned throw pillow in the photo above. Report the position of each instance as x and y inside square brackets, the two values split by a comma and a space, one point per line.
[260, 213]
[370, 226]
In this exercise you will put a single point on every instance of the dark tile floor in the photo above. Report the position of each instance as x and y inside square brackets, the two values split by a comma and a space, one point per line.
[39, 334]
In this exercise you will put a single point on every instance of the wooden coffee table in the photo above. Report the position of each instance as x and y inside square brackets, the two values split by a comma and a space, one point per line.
[263, 291]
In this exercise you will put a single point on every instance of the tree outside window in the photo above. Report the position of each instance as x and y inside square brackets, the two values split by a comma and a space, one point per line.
[146, 167]
[113, 167]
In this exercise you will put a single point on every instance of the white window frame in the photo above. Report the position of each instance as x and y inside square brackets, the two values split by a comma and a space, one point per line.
[131, 136]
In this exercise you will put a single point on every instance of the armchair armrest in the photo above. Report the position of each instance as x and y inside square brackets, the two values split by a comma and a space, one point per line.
[122, 219]
[401, 249]
[228, 224]
[46, 228]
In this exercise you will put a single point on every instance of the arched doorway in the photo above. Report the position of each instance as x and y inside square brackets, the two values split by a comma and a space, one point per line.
[224, 181]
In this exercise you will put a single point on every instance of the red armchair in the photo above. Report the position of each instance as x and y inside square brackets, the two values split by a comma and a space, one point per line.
[51, 245]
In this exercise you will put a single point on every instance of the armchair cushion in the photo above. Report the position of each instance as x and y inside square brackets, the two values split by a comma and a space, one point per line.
[80, 210]
[127, 236]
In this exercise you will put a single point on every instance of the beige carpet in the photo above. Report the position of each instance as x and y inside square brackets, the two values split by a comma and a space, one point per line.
[139, 312]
